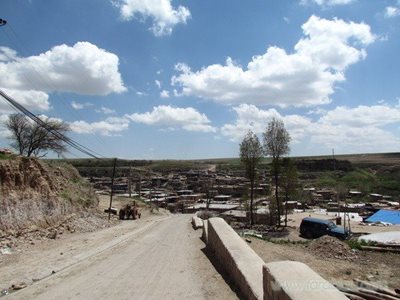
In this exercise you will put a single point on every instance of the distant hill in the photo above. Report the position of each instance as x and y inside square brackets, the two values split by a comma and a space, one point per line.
[103, 167]
[363, 160]
[375, 172]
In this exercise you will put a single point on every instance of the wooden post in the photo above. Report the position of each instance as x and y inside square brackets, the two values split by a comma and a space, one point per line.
[112, 189]
[130, 181]
[140, 186]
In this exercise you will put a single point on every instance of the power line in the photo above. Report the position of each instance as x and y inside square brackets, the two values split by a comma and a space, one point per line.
[46, 126]
[47, 81]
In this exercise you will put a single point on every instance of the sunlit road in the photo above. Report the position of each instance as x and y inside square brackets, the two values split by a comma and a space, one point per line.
[163, 261]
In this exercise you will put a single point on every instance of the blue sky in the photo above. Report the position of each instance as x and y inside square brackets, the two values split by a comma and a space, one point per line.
[156, 79]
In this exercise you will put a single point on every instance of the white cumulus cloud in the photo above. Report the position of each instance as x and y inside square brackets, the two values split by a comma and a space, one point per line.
[82, 69]
[77, 105]
[251, 117]
[391, 12]
[4, 132]
[163, 15]
[107, 127]
[348, 139]
[105, 110]
[360, 116]
[30, 99]
[358, 129]
[188, 119]
[326, 2]
[305, 77]
[164, 94]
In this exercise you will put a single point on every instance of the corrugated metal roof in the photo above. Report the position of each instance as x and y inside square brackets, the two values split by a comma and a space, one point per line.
[385, 215]
[215, 206]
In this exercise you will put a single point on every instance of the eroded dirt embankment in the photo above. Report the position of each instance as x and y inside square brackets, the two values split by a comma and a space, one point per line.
[39, 198]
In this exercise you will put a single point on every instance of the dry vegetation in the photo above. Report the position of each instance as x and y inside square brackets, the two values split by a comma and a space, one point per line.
[39, 195]
[334, 260]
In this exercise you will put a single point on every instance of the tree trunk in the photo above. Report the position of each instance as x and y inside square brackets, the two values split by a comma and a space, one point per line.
[251, 202]
[286, 201]
[277, 193]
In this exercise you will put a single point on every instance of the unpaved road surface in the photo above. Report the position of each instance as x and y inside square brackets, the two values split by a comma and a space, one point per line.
[162, 259]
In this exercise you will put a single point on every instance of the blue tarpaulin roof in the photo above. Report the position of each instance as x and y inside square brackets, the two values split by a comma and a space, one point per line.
[385, 215]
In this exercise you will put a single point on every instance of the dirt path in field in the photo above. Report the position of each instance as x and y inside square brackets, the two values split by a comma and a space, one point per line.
[159, 257]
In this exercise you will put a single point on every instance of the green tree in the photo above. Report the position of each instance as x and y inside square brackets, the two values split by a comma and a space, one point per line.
[251, 154]
[341, 192]
[276, 144]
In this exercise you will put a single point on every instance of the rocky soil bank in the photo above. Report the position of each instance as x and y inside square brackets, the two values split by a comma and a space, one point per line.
[40, 200]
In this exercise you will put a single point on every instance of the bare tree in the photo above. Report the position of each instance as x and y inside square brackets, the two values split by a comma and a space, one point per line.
[32, 139]
[19, 126]
[251, 154]
[276, 144]
[207, 188]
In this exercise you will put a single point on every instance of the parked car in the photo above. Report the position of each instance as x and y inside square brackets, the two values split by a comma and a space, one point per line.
[315, 228]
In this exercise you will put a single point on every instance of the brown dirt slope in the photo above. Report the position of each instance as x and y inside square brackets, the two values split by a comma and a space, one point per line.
[34, 194]
[330, 247]
[335, 261]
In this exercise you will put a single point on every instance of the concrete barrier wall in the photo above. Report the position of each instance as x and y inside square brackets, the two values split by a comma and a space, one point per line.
[283, 280]
[204, 235]
[239, 261]
[292, 280]
[197, 222]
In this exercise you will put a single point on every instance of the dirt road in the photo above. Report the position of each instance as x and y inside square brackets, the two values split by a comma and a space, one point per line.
[161, 260]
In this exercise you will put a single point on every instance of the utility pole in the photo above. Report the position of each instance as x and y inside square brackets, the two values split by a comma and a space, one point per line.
[344, 219]
[130, 180]
[333, 159]
[112, 189]
[140, 186]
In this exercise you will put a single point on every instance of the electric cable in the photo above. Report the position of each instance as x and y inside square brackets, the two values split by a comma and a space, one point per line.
[47, 81]
[46, 126]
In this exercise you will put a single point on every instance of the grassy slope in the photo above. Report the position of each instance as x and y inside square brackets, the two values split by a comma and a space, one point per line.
[373, 173]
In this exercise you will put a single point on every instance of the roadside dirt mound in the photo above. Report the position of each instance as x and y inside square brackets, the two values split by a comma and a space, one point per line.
[83, 221]
[34, 194]
[331, 247]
